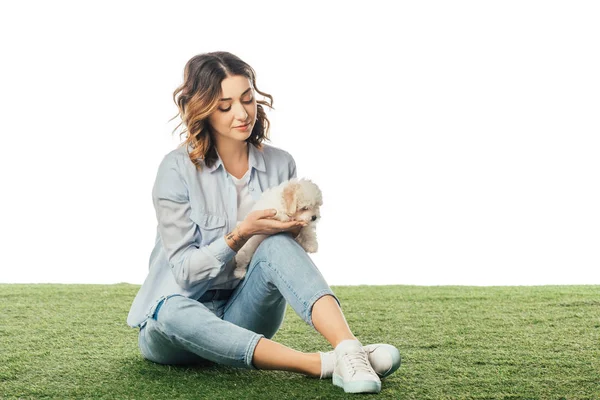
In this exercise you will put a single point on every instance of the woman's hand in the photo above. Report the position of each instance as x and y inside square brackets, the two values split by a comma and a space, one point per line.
[262, 222]
[295, 231]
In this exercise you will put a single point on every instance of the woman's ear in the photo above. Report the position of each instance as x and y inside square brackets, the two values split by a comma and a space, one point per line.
[290, 199]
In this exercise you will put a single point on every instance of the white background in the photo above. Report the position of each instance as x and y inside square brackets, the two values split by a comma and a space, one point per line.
[454, 142]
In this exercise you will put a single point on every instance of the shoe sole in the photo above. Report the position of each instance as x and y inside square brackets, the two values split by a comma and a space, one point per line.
[357, 386]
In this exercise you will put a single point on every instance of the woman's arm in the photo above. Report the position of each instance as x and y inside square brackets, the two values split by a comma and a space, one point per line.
[179, 235]
[235, 240]
[260, 222]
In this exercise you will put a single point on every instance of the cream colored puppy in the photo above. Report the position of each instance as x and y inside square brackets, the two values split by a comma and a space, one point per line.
[296, 199]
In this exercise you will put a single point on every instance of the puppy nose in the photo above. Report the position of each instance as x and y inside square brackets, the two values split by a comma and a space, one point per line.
[314, 217]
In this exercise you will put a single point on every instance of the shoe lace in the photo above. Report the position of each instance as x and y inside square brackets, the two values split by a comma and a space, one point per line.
[358, 362]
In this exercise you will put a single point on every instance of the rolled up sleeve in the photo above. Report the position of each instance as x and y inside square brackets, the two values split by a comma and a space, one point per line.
[180, 237]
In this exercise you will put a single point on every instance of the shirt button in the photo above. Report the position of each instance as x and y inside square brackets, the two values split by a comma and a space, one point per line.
[251, 189]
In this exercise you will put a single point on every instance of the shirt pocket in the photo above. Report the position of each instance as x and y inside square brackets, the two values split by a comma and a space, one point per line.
[211, 226]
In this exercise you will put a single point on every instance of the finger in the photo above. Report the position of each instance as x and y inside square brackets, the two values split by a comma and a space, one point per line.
[293, 224]
[280, 226]
[268, 213]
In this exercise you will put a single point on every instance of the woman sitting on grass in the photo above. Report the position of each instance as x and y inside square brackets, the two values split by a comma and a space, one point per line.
[191, 309]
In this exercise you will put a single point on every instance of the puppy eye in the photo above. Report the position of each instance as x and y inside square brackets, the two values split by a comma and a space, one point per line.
[304, 209]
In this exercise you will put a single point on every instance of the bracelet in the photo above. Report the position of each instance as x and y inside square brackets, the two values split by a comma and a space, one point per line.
[232, 236]
[237, 228]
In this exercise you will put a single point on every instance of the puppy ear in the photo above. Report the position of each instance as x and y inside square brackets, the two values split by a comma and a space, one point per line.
[290, 199]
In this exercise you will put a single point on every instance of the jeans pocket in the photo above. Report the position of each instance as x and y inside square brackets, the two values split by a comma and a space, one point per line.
[153, 313]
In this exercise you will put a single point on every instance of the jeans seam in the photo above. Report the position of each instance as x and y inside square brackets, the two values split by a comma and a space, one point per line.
[290, 288]
[237, 293]
[143, 341]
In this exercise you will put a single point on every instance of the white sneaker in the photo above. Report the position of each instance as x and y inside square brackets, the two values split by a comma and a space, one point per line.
[384, 358]
[352, 370]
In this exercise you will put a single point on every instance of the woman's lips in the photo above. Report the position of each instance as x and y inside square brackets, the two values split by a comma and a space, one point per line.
[242, 127]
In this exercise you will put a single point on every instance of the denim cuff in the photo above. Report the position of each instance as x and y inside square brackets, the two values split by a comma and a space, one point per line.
[250, 350]
[313, 300]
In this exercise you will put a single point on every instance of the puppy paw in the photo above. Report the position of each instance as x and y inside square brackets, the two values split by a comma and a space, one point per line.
[242, 259]
[239, 272]
[311, 247]
[281, 216]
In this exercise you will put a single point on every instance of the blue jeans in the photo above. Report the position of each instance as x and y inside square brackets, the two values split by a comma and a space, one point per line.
[184, 331]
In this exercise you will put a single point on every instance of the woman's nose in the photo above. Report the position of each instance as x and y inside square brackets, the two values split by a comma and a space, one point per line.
[241, 114]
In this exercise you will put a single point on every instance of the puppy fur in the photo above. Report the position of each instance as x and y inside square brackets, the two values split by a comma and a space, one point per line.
[296, 199]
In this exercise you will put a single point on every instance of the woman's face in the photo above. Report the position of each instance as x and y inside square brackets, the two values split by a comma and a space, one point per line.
[236, 112]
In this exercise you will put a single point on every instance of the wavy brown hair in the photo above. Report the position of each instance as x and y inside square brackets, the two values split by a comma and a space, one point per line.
[198, 97]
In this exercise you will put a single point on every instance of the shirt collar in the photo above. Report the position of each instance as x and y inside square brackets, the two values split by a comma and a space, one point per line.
[256, 160]
[216, 165]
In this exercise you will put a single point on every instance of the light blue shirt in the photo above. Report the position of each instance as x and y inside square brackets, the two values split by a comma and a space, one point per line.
[195, 210]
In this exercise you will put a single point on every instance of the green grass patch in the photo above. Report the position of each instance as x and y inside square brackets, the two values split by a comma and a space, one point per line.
[541, 342]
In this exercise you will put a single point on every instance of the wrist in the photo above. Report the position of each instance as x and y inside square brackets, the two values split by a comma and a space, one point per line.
[235, 239]
[243, 232]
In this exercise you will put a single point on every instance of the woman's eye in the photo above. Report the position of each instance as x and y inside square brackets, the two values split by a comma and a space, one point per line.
[245, 102]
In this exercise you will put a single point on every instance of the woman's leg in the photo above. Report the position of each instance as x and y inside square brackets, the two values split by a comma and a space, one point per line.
[185, 331]
[281, 270]
[272, 355]
[329, 320]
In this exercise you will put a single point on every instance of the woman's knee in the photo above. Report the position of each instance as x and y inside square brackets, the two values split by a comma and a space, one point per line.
[155, 346]
[278, 243]
[279, 239]
[180, 314]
